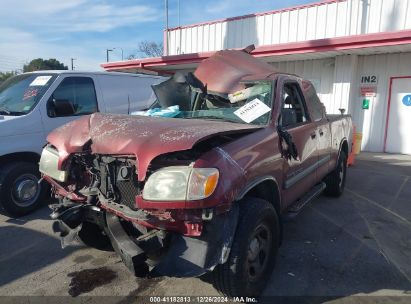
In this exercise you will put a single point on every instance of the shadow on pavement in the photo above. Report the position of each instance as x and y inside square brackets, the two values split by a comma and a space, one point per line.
[41, 213]
[27, 251]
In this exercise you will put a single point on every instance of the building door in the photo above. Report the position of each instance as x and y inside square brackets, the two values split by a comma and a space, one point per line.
[398, 129]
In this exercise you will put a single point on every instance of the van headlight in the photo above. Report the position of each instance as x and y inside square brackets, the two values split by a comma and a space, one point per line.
[181, 183]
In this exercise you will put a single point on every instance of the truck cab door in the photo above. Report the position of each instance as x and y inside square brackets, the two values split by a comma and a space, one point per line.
[323, 129]
[300, 173]
[73, 97]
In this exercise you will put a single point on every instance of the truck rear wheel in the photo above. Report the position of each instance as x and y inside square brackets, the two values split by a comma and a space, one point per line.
[335, 181]
[20, 192]
[253, 251]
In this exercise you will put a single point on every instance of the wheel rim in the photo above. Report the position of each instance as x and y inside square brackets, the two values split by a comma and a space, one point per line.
[25, 190]
[258, 251]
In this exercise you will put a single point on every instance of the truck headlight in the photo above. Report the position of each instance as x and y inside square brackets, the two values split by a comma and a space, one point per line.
[180, 183]
[49, 163]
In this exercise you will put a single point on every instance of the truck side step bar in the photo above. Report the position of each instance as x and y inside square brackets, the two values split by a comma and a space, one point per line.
[296, 207]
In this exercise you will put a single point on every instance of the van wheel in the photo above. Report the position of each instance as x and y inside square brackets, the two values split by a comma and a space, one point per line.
[335, 181]
[20, 192]
[253, 251]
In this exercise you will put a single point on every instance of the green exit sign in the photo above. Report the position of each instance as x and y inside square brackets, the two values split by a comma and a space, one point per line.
[365, 104]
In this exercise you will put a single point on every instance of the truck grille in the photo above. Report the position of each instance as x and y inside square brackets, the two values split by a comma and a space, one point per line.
[127, 191]
[119, 182]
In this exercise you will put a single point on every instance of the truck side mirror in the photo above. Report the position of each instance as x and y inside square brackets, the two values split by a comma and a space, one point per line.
[60, 108]
[288, 117]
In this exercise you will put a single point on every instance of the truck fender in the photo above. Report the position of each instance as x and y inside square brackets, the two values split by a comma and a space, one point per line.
[255, 183]
[267, 188]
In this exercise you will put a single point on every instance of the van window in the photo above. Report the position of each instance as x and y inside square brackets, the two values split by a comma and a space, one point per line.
[126, 94]
[293, 110]
[20, 94]
[78, 93]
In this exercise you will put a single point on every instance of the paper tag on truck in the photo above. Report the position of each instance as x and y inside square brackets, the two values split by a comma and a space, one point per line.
[252, 110]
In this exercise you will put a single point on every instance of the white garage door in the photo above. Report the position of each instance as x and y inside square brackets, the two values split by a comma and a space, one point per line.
[398, 136]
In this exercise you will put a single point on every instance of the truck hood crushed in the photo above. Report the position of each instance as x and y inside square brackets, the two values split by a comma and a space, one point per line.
[144, 137]
[222, 72]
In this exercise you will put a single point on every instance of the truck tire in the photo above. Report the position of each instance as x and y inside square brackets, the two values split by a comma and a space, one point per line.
[20, 192]
[92, 236]
[253, 251]
[335, 181]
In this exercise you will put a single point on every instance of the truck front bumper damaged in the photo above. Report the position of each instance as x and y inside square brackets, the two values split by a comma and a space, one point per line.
[194, 256]
[181, 256]
[69, 219]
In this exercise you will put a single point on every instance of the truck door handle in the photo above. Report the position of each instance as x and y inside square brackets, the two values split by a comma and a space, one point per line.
[313, 135]
[321, 132]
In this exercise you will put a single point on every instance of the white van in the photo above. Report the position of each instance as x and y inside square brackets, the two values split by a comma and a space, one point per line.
[33, 104]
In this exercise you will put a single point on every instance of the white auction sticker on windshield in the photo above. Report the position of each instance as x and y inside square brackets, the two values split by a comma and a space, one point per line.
[40, 81]
[252, 110]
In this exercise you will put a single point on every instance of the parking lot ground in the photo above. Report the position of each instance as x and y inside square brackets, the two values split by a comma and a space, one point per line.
[358, 244]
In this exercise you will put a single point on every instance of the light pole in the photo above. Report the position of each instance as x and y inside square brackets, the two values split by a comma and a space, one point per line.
[108, 50]
[72, 63]
[179, 23]
[166, 21]
[122, 52]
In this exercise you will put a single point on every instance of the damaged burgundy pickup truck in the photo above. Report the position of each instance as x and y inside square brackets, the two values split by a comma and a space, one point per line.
[206, 189]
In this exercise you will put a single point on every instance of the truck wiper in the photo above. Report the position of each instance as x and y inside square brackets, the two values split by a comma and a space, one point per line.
[213, 117]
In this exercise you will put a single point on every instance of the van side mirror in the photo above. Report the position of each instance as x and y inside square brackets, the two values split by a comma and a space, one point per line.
[60, 108]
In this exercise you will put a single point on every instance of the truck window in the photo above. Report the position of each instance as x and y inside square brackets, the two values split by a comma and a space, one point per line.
[76, 93]
[317, 109]
[294, 111]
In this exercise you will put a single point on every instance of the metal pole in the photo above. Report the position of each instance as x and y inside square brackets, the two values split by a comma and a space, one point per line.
[107, 50]
[179, 23]
[72, 63]
[166, 17]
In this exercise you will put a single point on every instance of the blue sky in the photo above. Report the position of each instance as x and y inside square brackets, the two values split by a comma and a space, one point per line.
[84, 29]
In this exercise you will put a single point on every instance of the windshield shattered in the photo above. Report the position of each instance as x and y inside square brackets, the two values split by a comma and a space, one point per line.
[250, 103]
[19, 94]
